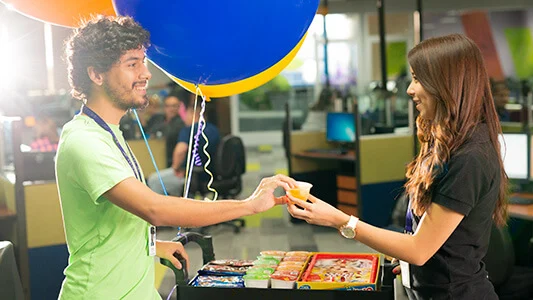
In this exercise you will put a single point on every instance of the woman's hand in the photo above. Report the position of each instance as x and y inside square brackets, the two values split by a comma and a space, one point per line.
[263, 197]
[317, 212]
[167, 250]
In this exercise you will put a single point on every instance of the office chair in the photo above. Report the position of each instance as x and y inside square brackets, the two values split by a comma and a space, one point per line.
[10, 283]
[229, 164]
[510, 281]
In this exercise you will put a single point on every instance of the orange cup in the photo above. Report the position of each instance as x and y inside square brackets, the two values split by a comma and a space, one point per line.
[301, 191]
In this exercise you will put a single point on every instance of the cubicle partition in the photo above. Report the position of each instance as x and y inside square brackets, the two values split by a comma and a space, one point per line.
[383, 164]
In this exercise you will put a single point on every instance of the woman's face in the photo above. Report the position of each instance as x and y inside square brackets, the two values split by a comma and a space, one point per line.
[425, 103]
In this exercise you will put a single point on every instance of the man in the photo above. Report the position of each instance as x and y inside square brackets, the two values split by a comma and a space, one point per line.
[168, 124]
[107, 209]
[174, 177]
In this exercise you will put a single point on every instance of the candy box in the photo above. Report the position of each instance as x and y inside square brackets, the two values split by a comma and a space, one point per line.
[341, 271]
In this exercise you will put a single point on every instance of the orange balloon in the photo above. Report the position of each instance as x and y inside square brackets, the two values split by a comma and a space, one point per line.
[67, 13]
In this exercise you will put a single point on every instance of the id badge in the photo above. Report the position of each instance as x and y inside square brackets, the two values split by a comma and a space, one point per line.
[406, 278]
[151, 240]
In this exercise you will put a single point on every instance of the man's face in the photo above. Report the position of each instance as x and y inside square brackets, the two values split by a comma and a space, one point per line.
[172, 107]
[126, 82]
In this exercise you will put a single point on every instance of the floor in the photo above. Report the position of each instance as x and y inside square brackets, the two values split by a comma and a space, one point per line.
[271, 230]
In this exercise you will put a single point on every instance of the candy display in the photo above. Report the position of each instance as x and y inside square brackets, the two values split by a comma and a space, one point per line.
[287, 270]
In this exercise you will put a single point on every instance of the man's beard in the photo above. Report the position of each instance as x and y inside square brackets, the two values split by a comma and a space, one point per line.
[123, 102]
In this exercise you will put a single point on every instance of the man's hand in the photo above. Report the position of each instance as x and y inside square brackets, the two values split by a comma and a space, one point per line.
[167, 250]
[263, 197]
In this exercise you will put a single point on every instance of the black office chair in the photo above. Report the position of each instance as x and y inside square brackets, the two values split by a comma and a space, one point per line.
[229, 164]
[510, 281]
[10, 283]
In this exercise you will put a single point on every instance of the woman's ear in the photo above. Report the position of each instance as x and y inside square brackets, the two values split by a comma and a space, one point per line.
[95, 76]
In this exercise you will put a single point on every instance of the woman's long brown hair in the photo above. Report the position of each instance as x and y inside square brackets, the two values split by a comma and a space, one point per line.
[451, 69]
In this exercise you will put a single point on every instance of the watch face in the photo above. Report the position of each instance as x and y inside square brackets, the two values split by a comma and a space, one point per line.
[348, 232]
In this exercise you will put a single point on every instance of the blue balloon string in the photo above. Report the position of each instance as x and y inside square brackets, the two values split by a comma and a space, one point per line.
[152, 157]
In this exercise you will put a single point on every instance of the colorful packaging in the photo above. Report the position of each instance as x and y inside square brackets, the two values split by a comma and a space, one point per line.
[222, 270]
[218, 281]
[342, 271]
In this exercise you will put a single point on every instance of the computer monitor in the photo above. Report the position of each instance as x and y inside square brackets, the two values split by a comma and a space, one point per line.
[514, 153]
[340, 127]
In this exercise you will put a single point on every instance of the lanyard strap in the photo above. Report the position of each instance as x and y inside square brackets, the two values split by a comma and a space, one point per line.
[91, 114]
[409, 219]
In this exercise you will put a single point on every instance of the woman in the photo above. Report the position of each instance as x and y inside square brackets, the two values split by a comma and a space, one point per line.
[456, 184]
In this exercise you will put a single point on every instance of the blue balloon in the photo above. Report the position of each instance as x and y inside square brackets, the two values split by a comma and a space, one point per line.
[214, 42]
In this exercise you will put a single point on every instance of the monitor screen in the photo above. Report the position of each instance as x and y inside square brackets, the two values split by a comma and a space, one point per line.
[340, 127]
[514, 155]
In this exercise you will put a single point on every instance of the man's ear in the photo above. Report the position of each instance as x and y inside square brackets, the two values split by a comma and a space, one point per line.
[96, 77]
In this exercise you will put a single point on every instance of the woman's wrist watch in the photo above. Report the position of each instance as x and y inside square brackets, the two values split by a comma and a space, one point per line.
[348, 230]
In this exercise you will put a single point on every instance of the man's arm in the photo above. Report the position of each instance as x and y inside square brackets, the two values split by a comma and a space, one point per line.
[179, 154]
[135, 197]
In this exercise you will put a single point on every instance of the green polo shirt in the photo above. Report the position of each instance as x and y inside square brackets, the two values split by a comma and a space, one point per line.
[108, 246]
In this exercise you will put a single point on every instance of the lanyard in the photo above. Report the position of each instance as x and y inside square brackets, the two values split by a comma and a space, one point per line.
[409, 220]
[91, 114]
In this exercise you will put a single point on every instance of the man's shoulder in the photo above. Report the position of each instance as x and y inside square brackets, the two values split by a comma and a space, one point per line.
[212, 128]
[80, 133]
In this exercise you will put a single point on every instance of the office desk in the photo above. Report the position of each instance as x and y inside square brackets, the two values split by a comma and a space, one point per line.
[349, 156]
[521, 211]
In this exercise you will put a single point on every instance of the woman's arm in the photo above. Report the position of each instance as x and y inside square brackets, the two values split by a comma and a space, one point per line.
[435, 227]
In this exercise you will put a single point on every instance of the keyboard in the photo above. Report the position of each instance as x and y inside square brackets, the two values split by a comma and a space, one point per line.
[335, 151]
[520, 200]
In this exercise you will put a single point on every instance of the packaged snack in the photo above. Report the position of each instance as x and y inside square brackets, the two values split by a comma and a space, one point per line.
[232, 262]
[266, 261]
[292, 263]
[256, 280]
[295, 258]
[287, 276]
[218, 281]
[261, 270]
[283, 280]
[211, 269]
[272, 253]
[297, 253]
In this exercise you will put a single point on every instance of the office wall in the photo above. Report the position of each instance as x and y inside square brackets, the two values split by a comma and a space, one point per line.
[364, 6]
[503, 25]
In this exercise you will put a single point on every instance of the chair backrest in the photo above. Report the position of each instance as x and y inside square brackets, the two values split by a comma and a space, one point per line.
[231, 158]
[10, 284]
[499, 260]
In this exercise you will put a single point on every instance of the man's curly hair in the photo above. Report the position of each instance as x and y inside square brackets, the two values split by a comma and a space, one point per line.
[100, 43]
